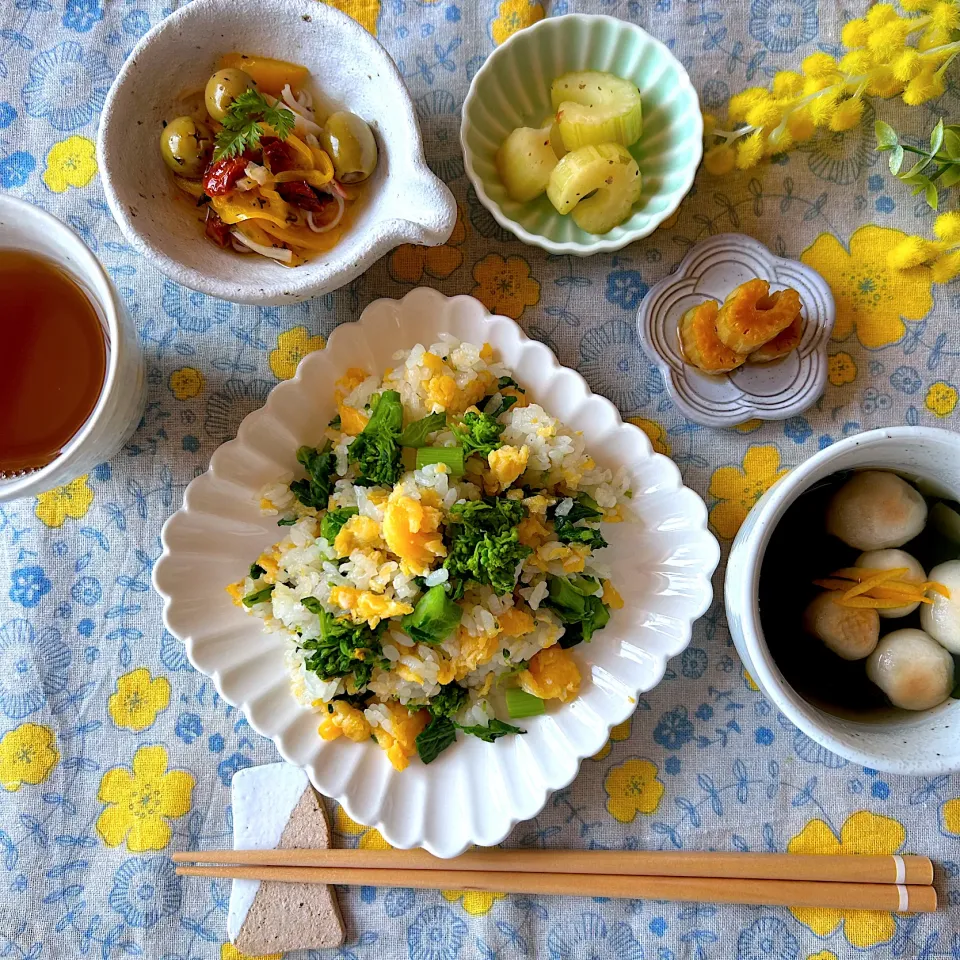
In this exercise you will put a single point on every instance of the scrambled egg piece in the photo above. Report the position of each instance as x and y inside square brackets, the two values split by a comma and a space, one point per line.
[552, 675]
[444, 394]
[612, 514]
[345, 721]
[507, 463]
[352, 421]
[432, 362]
[401, 745]
[516, 622]
[572, 557]
[486, 353]
[235, 590]
[532, 532]
[611, 595]
[270, 566]
[538, 504]
[474, 651]
[368, 607]
[411, 529]
[358, 533]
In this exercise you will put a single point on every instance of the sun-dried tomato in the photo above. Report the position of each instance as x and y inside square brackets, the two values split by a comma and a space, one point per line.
[277, 155]
[222, 175]
[302, 195]
[216, 229]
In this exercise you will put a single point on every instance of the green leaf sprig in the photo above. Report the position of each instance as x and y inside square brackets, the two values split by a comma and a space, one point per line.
[944, 154]
[243, 124]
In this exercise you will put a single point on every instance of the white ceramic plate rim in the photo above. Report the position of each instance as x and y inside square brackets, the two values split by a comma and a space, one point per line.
[376, 795]
[599, 245]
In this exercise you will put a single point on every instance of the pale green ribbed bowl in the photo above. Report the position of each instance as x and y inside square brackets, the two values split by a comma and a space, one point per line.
[512, 89]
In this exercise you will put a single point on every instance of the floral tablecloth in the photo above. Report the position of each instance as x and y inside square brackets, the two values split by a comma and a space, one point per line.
[114, 752]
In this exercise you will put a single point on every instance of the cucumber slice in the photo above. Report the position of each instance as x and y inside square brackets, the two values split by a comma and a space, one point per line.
[525, 161]
[556, 141]
[606, 171]
[594, 107]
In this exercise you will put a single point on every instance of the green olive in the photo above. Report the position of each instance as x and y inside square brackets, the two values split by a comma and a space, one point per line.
[223, 88]
[349, 141]
[186, 146]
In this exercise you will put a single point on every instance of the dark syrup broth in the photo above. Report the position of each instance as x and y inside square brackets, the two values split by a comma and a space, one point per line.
[801, 551]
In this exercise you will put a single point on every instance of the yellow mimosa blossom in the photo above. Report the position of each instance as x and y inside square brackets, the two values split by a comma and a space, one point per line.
[186, 383]
[632, 787]
[505, 285]
[514, 15]
[141, 802]
[941, 398]
[475, 902]
[620, 732]
[28, 754]
[368, 838]
[138, 699]
[72, 500]
[841, 369]
[656, 434]
[872, 298]
[862, 833]
[292, 346]
[70, 163]
[737, 489]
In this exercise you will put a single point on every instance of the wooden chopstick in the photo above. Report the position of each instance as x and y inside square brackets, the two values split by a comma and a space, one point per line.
[788, 893]
[907, 869]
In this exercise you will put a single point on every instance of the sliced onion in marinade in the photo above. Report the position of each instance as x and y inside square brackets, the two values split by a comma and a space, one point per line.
[594, 108]
[597, 184]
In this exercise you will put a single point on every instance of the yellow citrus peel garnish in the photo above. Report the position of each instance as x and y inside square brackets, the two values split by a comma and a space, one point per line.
[866, 588]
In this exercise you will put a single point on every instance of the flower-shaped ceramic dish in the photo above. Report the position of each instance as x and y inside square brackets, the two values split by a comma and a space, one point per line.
[769, 391]
[403, 202]
[512, 89]
[475, 792]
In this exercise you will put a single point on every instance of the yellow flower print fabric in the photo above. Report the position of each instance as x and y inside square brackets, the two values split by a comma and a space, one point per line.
[115, 752]
[142, 800]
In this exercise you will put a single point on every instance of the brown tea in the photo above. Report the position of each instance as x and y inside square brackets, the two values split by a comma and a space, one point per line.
[53, 360]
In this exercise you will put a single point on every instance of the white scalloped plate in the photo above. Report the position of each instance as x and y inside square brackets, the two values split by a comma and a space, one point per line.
[770, 391]
[475, 792]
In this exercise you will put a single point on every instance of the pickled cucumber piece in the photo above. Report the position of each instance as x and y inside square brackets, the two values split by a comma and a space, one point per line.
[556, 141]
[524, 161]
[594, 107]
[609, 173]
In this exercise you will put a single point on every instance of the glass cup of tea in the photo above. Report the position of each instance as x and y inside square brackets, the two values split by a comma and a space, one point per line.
[71, 370]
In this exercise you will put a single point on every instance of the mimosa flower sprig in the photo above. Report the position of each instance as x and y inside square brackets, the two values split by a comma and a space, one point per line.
[944, 153]
[887, 54]
[941, 256]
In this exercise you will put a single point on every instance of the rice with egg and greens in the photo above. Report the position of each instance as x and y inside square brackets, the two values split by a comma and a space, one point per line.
[438, 557]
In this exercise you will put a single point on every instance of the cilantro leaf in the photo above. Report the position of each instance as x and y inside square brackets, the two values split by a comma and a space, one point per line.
[377, 449]
[485, 544]
[493, 731]
[243, 124]
[415, 434]
[320, 465]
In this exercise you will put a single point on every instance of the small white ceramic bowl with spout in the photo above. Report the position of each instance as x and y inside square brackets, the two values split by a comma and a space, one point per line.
[918, 744]
[403, 201]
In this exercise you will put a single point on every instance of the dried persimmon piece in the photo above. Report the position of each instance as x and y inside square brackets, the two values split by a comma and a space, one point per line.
[699, 341]
[752, 316]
